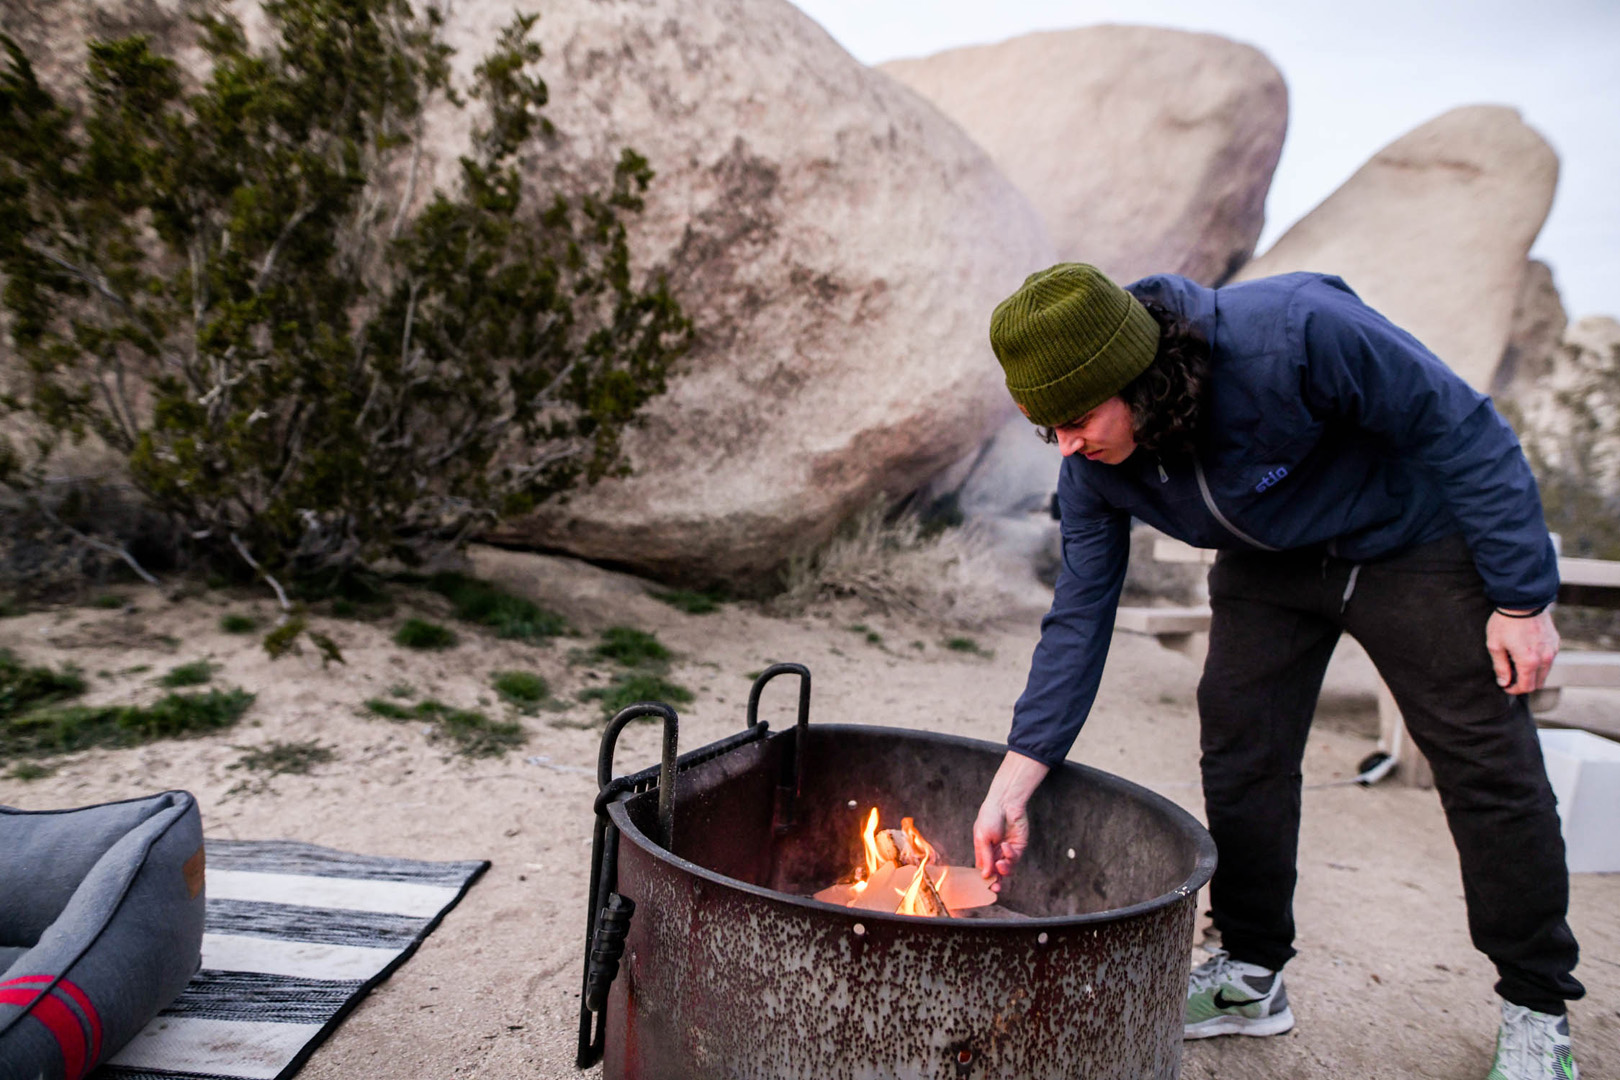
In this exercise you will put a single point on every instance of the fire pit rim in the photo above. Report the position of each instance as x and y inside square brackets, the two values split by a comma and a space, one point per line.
[1203, 865]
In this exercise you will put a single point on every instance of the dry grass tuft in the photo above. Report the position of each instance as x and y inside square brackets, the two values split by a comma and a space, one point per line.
[892, 564]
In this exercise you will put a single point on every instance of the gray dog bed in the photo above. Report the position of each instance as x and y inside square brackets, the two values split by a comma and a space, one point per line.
[101, 923]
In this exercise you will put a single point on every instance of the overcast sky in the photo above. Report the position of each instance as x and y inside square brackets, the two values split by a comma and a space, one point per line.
[1360, 74]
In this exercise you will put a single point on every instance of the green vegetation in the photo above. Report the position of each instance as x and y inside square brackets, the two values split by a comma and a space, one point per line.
[305, 359]
[966, 645]
[631, 647]
[286, 758]
[629, 687]
[108, 602]
[693, 603]
[476, 735]
[61, 729]
[195, 673]
[402, 690]
[238, 624]
[30, 770]
[284, 638]
[420, 634]
[472, 733]
[23, 688]
[871, 635]
[330, 653]
[511, 617]
[521, 687]
[352, 592]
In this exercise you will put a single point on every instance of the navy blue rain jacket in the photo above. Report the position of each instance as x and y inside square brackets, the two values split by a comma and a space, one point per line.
[1326, 426]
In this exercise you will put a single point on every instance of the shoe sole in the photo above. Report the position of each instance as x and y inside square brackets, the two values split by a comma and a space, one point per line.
[1276, 1024]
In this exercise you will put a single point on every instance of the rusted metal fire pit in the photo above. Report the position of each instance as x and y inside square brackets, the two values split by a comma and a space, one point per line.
[730, 970]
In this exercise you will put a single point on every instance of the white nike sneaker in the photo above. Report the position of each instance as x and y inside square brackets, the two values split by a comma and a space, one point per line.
[1532, 1045]
[1228, 997]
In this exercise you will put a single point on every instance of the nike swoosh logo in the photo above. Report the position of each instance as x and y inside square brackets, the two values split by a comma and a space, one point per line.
[1224, 1002]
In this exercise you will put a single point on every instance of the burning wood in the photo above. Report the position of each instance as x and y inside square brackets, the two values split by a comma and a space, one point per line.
[902, 874]
[921, 898]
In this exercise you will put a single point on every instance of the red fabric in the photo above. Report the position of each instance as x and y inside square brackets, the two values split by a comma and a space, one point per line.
[94, 1018]
[61, 1021]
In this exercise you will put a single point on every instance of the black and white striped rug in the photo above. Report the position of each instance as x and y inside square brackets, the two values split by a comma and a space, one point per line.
[296, 936]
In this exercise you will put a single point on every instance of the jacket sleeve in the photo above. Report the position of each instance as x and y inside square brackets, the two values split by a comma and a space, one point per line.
[1362, 368]
[1075, 633]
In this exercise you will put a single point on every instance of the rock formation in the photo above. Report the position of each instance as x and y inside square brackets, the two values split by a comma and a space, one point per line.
[1146, 150]
[1536, 333]
[840, 245]
[1434, 231]
[1570, 417]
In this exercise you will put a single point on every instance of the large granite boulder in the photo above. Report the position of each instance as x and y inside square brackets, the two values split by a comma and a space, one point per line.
[1434, 231]
[838, 242]
[1146, 150]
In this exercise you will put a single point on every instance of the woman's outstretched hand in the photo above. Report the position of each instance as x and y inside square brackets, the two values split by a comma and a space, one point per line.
[1001, 831]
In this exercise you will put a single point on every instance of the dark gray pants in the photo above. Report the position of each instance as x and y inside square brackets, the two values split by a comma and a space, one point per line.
[1421, 617]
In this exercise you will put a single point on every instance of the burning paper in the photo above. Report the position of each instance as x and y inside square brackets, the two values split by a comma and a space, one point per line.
[903, 874]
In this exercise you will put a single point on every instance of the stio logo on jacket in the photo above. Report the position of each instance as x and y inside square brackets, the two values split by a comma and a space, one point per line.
[1271, 478]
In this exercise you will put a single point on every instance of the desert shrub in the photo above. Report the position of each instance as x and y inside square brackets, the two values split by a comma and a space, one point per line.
[285, 758]
[388, 710]
[475, 735]
[61, 729]
[511, 617]
[630, 687]
[229, 285]
[521, 687]
[238, 624]
[193, 674]
[472, 733]
[108, 602]
[965, 645]
[421, 634]
[23, 687]
[350, 592]
[631, 647]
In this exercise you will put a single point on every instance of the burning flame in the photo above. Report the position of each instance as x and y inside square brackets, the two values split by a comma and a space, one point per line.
[904, 861]
[869, 838]
[922, 847]
[910, 901]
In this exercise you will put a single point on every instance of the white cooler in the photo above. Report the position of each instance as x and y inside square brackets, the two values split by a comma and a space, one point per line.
[1585, 774]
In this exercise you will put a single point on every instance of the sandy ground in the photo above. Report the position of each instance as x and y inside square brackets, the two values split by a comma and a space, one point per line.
[1386, 983]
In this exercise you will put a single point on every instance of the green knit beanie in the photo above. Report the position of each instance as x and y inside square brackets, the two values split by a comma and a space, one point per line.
[1069, 339]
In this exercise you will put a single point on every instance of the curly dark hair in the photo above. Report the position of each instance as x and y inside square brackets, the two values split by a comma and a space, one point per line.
[1166, 398]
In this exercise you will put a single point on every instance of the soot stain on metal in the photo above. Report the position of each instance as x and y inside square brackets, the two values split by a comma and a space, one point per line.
[740, 980]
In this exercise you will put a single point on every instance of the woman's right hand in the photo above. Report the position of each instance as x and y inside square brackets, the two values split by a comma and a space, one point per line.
[1001, 831]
